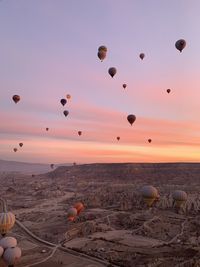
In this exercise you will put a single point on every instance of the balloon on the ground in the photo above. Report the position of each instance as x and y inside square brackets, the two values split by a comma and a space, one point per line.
[8, 242]
[79, 207]
[12, 255]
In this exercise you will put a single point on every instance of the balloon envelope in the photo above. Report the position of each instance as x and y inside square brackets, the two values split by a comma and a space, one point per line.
[66, 112]
[79, 133]
[131, 118]
[8, 242]
[142, 55]
[180, 44]
[21, 144]
[15, 149]
[112, 71]
[12, 255]
[124, 86]
[63, 101]
[102, 48]
[16, 98]
[168, 91]
[101, 55]
[79, 207]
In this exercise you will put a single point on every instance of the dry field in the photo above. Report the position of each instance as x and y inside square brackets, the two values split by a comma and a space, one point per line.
[116, 228]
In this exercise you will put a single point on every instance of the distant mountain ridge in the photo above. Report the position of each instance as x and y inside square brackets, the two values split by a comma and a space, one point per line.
[26, 167]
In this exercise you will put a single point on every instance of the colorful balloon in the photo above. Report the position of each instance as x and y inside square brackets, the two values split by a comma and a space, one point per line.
[79, 207]
[72, 213]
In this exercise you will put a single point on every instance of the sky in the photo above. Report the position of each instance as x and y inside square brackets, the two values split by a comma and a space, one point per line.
[48, 48]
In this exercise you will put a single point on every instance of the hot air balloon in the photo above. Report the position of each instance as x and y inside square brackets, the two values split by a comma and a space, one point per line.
[131, 118]
[79, 133]
[102, 48]
[168, 91]
[63, 101]
[118, 138]
[180, 44]
[1, 251]
[66, 112]
[180, 197]
[79, 207]
[112, 71]
[52, 166]
[124, 86]
[47, 129]
[149, 140]
[16, 98]
[15, 149]
[142, 55]
[72, 213]
[7, 219]
[101, 55]
[21, 144]
[8, 242]
[12, 255]
[68, 96]
[149, 194]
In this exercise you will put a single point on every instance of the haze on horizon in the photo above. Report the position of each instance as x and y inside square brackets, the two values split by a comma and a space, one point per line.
[49, 49]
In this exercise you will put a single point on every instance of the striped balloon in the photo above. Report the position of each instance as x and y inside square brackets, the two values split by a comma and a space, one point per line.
[180, 197]
[7, 221]
[150, 194]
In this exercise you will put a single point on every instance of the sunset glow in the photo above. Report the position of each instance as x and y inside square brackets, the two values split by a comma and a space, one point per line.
[49, 49]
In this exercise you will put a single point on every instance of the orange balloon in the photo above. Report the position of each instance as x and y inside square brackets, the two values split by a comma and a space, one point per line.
[79, 207]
